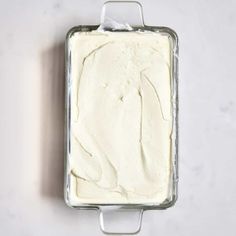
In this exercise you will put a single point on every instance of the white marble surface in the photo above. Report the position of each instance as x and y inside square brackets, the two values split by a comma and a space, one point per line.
[31, 121]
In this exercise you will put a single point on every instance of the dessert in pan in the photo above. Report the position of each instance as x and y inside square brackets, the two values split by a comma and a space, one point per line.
[121, 118]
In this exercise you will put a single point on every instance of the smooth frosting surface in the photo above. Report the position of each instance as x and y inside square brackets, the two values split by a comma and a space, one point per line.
[121, 117]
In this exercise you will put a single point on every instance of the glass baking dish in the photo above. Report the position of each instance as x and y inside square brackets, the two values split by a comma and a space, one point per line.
[107, 209]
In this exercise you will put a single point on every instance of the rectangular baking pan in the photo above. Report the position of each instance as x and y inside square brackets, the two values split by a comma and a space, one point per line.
[174, 139]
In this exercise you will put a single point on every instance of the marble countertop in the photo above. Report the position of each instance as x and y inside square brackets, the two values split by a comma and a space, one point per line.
[32, 113]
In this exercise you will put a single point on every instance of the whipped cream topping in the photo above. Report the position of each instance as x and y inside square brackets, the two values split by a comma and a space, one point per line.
[121, 117]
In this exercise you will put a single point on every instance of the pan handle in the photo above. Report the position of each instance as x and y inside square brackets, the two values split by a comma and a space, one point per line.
[120, 220]
[124, 12]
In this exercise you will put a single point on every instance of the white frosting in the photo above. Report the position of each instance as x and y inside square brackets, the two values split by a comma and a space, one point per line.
[121, 118]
